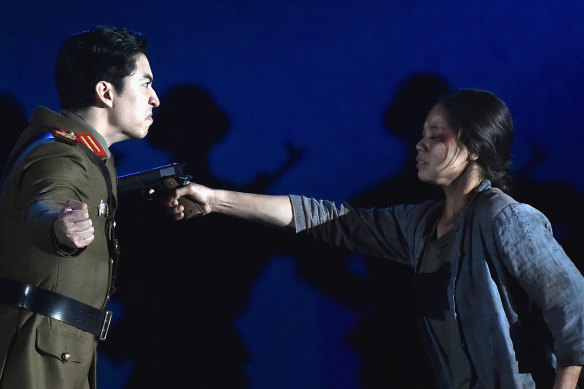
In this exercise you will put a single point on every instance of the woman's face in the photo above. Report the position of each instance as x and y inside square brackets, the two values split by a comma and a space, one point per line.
[441, 158]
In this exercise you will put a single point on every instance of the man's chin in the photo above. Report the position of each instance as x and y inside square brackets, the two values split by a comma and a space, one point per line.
[140, 135]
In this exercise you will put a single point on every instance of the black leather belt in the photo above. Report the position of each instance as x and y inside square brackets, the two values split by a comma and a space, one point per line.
[55, 305]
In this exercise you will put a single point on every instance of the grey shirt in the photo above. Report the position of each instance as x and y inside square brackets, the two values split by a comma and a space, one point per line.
[516, 296]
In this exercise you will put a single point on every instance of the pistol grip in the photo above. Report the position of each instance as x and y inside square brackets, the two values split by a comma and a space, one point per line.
[191, 208]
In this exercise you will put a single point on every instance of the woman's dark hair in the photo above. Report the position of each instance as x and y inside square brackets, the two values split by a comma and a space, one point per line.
[482, 122]
[101, 54]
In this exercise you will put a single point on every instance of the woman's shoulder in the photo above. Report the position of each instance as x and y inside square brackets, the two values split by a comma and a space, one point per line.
[494, 205]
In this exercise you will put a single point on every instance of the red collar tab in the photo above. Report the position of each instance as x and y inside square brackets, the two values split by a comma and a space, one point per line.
[92, 144]
[84, 138]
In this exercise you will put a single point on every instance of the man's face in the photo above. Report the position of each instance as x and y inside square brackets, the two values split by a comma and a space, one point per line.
[132, 109]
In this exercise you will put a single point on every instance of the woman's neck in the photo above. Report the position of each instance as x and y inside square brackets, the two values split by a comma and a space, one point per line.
[457, 194]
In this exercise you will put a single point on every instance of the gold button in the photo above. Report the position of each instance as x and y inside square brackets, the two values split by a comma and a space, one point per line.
[65, 357]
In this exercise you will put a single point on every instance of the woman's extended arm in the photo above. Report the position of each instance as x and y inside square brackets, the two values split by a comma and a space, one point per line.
[275, 211]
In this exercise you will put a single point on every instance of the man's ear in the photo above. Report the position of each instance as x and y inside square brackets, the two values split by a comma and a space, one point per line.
[104, 94]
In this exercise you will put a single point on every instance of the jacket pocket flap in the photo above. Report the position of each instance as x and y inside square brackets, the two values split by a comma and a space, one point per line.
[64, 346]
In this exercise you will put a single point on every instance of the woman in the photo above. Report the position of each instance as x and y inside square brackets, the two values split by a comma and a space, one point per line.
[500, 303]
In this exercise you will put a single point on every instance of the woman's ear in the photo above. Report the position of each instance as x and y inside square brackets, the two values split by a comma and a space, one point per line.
[473, 157]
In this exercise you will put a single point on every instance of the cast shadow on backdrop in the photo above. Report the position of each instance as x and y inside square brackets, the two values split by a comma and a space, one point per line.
[199, 274]
[186, 283]
[387, 337]
[183, 285]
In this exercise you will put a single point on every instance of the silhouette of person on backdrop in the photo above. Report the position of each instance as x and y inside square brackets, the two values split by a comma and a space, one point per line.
[194, 280]
[404, 118]
[499, 301]
[387, 347]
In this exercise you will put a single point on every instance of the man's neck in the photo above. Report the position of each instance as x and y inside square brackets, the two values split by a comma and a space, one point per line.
[94, 116]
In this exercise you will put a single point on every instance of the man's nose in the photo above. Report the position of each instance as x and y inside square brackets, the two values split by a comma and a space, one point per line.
[154, 101]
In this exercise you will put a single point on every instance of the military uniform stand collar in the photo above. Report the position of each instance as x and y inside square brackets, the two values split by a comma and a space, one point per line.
[96, 135]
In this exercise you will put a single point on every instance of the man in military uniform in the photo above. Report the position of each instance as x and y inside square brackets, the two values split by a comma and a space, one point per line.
[57, 201]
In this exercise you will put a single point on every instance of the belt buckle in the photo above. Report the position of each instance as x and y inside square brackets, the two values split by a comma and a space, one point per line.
[105, 327]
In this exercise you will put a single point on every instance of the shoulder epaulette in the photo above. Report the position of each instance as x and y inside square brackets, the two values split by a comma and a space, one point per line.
[83, 138]
[65, 136]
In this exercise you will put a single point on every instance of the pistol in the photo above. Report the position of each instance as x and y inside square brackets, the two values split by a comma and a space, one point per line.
[156, 182]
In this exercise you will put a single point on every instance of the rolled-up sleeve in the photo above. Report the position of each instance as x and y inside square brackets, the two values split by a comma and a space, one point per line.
[309, 212]
[389, 233]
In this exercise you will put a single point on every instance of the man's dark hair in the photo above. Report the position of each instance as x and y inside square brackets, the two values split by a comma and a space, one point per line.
[101, 54]
[482, 122]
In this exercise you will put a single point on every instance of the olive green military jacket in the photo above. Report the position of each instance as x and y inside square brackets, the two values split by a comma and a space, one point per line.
[37, 351]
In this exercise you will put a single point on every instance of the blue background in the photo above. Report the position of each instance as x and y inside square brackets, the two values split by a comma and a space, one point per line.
[292, 97]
